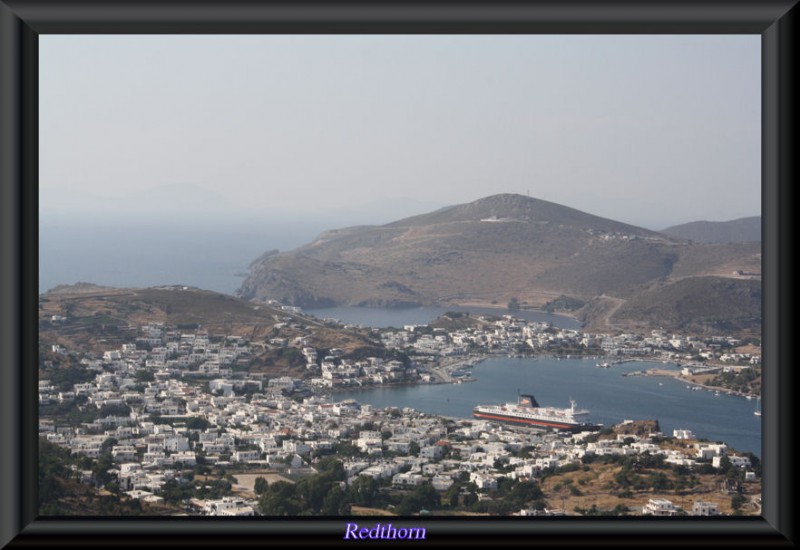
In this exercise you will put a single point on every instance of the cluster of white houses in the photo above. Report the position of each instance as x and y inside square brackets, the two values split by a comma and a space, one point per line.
[508, 335]
[195, 409]
[279, 432]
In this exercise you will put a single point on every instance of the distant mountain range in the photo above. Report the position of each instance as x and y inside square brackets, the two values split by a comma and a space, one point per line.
[512, 246]
[742, 230]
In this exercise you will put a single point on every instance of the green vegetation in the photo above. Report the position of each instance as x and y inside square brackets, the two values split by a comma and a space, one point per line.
[423, 497]
[60, 494]
[618, 510]
[325, 494]
[563, 303]
[72, 412]
[320, 494]
[744, 381]
[53, 467]
[64, 377]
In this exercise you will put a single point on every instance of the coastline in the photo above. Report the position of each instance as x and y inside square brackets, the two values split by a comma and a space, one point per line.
[440, 371]
[679, 376]
[442, 374]
[505, 311]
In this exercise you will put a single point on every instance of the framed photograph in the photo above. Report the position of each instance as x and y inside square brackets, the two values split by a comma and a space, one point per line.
[117, 124]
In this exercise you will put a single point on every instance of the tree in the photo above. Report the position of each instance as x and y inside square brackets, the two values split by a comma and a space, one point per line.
[335, 502]
[408, 506]
[280, 500]
[363, 491]
[427, 496]
[470, 499]
[451, 495]
[197, 423]
[101, 467]
[347, 449]
[260, 486]
[659, 481]
[145, 376]
[524, 492]
[332, 469]
[174, 492]
[312, 491]
[52, 461]
[108, 444]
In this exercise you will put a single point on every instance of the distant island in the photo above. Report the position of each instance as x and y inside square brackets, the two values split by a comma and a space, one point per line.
[742, 230]
[538, 254]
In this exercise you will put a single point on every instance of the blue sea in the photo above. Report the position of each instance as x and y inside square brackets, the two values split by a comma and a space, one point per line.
[211, 256]
[609, 396]
[215, 258]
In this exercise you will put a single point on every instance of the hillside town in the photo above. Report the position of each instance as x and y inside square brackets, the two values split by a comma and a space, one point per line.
[172, 403]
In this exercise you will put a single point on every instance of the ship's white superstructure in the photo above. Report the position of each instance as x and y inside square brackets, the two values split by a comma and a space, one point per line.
[528, 412]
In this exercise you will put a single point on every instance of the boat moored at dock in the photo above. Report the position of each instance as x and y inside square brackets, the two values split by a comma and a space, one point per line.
[527, 412]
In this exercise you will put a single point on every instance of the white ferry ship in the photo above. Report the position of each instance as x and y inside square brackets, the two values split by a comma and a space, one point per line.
[528, 412]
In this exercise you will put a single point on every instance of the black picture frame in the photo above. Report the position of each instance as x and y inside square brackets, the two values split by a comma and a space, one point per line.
[22, 21]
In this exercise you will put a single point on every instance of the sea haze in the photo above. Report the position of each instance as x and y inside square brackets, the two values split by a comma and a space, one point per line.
[207, 255]
[181, 234]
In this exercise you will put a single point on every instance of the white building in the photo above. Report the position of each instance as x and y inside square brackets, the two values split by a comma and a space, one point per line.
[483, 480]
[659, 507]
[228, 506]
[739, 461]
[407, 480]
[368, 440]
[245, 456]
[700, 508]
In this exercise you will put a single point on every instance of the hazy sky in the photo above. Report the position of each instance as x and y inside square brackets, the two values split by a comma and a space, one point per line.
[650, 130]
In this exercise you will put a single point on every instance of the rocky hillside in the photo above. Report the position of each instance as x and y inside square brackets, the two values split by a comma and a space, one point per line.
[742, 230]
[96, 319]
[487, 251]
[696, 304]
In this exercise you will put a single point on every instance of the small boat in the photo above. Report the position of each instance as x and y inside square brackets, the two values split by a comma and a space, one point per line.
[716, 393]
[757, 413]
[661, 383]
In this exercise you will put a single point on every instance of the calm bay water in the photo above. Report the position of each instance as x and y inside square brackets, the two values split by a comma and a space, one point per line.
[609, 396]
[124, 256]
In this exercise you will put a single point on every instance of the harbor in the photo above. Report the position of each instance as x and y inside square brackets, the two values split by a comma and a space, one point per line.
[609, 397]
[695, 384]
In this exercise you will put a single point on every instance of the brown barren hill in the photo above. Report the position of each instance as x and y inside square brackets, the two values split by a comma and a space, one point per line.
[490, 251]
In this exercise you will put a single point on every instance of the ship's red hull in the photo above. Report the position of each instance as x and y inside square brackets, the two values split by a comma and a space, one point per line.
[536, 423]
